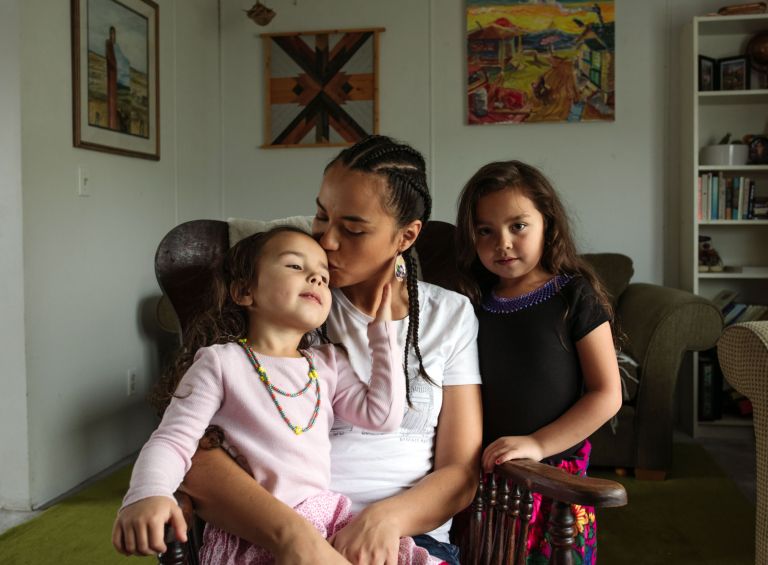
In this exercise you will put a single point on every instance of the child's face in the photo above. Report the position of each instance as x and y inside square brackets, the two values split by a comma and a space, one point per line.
[292, 286]
[509, 235]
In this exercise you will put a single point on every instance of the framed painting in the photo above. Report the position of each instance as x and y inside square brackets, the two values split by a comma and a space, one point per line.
[707, 74]
[115, 77]
[733, 73]
[321, 87]
[540, 61]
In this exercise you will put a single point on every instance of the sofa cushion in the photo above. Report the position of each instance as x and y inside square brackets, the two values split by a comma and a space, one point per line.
[614, 270]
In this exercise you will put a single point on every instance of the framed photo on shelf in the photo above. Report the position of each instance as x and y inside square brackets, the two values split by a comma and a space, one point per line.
[707, 73]
[115, 77]
[733, 73]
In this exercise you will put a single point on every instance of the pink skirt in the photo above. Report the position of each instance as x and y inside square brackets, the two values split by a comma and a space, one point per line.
[328, 511]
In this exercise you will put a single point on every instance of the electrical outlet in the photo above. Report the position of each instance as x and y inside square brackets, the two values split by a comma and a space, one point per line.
[130, 382]
[83, 181]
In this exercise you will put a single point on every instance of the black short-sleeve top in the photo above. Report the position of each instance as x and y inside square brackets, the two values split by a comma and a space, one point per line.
[528, 360]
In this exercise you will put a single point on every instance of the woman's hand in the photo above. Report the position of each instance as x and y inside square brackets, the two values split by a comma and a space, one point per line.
[511, 447]
[384, 312]
[309, 550]
[371, 538]
[139, 528]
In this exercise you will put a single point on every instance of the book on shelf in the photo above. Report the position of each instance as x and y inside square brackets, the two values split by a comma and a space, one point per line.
[724, 298]
[732, 312]
[760, 207]
[753, 313]
[728, 198]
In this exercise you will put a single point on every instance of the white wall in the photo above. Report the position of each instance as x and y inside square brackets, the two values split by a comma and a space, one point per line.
[88, 285]
[267, 183]
[614, 176]
[88, 269]
[14, 452]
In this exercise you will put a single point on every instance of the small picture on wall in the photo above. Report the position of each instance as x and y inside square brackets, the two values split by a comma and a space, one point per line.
[733, 73]
[115, 77]
[707, 73]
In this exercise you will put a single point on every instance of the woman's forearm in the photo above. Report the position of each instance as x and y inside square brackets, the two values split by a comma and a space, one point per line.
[229, 498]
[450, 487]
[432, 501]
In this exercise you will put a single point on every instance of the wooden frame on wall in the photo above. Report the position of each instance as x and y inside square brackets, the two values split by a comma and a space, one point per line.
[321, 87]
[116, 77]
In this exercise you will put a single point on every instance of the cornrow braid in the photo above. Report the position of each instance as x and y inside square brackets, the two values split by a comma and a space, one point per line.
[408, 199]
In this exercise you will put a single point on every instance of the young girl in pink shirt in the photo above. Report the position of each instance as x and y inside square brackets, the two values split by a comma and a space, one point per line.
[248, 368]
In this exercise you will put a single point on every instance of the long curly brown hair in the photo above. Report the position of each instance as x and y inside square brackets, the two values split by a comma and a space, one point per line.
[559, 255]
[220, 319]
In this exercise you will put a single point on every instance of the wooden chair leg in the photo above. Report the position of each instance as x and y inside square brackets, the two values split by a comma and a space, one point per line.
[563, 532]
[650, 474]
[526, 512]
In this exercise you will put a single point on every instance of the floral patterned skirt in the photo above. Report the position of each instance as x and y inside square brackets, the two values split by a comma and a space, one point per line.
[539, 546]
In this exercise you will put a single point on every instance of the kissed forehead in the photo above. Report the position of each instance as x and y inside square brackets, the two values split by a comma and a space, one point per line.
[353, 193]
[290, 241]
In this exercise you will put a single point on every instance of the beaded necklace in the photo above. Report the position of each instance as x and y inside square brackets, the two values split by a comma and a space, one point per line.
[272, 389]
[499, 305]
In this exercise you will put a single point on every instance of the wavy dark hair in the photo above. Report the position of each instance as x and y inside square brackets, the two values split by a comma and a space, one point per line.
[407, 199]
[220, 319]
[559, 256]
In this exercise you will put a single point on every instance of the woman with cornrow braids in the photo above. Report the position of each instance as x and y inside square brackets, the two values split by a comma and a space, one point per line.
[372, 204]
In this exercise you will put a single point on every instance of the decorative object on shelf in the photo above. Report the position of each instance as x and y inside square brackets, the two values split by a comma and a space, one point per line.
[115, 77]
[540, 62]
[709, 258]
[260, 14]
[733, 73]
[748, 8]
[321, 87]
[707, 74]
[757, 51]
[724, 154]
[758, 149]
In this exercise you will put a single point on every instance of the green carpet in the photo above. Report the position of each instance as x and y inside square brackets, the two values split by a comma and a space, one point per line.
[698, 515]
[76, 531]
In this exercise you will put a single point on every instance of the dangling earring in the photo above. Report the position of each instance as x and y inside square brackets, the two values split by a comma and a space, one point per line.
[400, 271]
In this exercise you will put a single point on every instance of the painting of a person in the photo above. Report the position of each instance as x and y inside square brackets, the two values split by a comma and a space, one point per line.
[118, 79]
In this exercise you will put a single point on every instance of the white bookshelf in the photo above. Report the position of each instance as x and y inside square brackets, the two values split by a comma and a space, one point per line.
[742, 244]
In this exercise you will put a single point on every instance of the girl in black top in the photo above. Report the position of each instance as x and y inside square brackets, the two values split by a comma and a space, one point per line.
[550, 377]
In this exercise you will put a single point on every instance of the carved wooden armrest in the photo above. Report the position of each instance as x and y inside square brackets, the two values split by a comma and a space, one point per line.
[501, 511]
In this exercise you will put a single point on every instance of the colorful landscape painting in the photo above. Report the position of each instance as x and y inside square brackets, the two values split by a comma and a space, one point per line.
[540, 61]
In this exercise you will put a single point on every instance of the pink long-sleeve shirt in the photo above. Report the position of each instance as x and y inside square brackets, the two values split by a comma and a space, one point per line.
[222, 388]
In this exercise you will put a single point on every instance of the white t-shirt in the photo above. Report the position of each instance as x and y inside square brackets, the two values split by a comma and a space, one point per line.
[368, 466]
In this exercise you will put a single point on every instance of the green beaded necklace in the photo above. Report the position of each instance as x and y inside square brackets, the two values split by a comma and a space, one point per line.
[273, 390]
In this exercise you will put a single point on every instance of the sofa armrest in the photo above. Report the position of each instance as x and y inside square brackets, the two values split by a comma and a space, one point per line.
[743, 354]
[661, 324]
[660, 319]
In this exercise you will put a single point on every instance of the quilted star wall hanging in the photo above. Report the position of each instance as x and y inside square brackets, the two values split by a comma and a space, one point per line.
[321, 87]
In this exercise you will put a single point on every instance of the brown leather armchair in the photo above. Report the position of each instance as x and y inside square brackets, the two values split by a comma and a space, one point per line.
[184, 263]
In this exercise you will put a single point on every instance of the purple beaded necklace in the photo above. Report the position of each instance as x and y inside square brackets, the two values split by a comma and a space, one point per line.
[499, 305]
